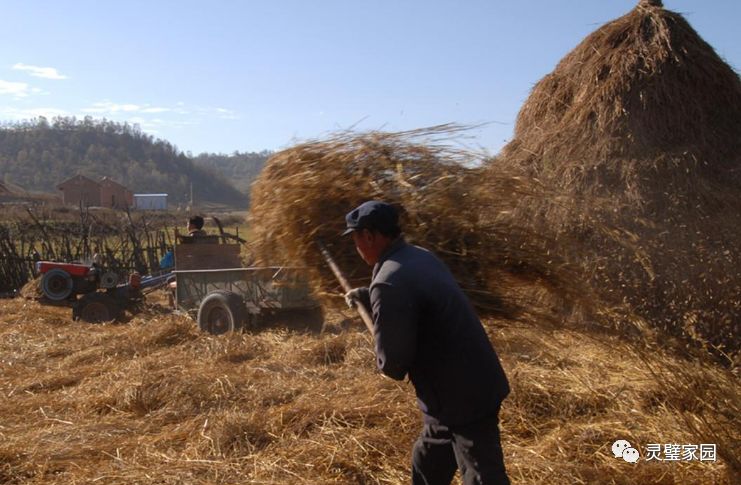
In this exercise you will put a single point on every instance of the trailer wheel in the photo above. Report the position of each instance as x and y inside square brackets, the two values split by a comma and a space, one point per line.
[221, 312]
[57, 284]
[96, 308]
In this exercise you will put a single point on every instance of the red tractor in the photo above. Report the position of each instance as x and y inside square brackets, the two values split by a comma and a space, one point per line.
[63, 282]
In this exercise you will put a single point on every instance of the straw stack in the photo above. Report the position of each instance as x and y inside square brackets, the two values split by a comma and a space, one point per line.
[639, 131]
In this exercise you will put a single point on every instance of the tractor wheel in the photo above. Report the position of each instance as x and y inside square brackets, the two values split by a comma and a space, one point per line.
[109, 279]
[57, 284]
[221, 312]
[96, 308]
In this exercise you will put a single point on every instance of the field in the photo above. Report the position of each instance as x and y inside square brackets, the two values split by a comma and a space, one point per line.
[155, 401]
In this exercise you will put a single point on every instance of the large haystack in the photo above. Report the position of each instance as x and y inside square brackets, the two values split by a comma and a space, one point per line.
[639, 129]
[304, 192]
[641, 105]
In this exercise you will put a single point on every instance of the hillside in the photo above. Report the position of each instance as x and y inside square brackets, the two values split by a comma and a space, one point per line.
[241, 168]
[38, 155]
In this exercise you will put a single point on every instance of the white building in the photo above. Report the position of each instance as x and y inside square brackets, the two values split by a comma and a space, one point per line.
[150, 201]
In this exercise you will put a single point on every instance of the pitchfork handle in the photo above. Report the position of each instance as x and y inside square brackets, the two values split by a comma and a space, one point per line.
[367, 320]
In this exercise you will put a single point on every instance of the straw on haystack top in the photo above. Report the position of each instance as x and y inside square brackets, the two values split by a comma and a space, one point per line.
[642, 97]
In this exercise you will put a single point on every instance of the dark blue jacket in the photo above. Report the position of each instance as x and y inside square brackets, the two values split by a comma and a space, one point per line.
[425, 327]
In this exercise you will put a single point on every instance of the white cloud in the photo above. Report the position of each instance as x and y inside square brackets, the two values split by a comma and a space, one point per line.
[226, 114]
[125, 107]
[36, 71]
[8, 113]
[153, 119]
[19, 90]
[154, 126]
[184, 123]
[155, 110]
[109, 107]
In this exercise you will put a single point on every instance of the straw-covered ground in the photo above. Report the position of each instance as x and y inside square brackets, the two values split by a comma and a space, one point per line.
[155, 401]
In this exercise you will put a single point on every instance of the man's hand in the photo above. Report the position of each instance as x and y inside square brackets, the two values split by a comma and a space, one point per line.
[352, 297]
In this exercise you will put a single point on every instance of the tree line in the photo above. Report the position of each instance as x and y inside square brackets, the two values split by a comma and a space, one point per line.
[38, 154]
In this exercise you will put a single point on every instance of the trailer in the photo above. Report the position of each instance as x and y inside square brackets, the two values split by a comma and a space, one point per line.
[222, 296]
[230, 299]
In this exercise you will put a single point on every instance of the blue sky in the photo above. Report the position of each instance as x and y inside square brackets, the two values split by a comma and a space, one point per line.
[249, 75]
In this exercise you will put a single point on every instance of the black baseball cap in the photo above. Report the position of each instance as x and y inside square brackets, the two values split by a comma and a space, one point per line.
[374, 215]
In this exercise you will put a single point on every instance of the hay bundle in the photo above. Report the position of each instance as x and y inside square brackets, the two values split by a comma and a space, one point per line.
[639, 128]
[304, 192]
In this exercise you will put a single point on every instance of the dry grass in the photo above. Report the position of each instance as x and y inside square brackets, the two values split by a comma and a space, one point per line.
[154, 401]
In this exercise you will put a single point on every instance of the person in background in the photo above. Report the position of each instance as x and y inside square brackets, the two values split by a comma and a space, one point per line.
[426, 328]
[195, 226]
[168, 260]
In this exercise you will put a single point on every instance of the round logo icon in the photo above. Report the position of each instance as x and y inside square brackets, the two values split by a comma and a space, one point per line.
[631, 455]
[618, 447]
